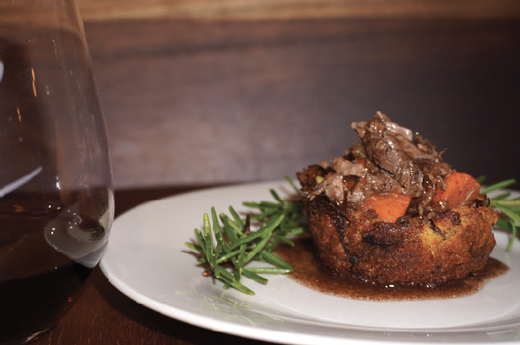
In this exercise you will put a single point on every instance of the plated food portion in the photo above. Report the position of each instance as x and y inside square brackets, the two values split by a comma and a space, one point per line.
[391, 211]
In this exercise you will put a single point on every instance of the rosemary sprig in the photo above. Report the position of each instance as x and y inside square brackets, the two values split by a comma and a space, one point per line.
[276, 222]
[508, 207]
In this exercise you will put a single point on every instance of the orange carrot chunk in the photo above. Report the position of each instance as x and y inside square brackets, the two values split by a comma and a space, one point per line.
[461, 188]
[389, 206]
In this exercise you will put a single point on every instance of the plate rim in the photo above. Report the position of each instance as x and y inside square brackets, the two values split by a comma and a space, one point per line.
[241, 330]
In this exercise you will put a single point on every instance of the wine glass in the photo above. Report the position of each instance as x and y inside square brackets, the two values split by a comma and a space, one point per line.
[56, 195]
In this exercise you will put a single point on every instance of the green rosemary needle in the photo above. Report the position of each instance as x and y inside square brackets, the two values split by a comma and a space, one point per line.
[229, 239]
[508, 207]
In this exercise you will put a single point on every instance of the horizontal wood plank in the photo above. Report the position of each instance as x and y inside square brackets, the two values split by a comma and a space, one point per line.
[100, 10]
[191, 102]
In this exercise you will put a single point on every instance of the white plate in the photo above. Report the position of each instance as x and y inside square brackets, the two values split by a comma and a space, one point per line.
[148, 261]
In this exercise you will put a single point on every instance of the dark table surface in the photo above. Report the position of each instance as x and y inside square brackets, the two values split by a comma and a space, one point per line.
[103, 315]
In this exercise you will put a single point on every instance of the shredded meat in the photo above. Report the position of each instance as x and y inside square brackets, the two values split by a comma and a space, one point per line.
[394, 161]
[390, 147]
[344, 167]
[334, 184]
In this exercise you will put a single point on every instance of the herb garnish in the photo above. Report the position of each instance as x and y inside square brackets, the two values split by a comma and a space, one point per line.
[508, 207]
[279, 220]
[240, 245]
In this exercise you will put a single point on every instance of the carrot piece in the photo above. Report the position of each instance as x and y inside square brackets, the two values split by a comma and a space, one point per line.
[460, 188]
[389, 206]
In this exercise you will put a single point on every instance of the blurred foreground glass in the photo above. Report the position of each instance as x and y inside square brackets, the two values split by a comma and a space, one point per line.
[56, 197]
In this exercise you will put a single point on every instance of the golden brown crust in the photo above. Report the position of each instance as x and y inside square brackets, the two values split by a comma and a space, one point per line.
[356, 244]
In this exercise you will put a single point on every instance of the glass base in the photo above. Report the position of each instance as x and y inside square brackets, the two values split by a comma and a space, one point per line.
[28, 339]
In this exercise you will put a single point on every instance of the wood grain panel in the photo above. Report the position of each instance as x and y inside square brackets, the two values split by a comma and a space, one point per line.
[96, 10]
[191, 102]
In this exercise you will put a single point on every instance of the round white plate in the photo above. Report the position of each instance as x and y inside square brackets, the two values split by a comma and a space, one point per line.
[148, 261]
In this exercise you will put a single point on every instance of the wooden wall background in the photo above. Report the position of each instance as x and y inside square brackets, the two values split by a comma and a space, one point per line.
[210, 92]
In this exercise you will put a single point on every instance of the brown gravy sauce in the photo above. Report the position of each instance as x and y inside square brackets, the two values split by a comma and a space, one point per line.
[308, 273]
